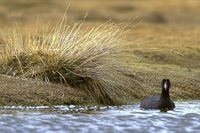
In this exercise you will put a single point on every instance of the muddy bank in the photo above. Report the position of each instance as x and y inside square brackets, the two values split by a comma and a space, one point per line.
[16, 91]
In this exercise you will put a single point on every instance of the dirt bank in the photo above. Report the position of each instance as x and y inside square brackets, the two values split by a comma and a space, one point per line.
[16, 91]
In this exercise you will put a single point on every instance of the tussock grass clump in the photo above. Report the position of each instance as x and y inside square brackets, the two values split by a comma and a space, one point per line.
[83, 59]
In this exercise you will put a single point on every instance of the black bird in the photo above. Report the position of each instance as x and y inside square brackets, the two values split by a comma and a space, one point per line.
[162, 102]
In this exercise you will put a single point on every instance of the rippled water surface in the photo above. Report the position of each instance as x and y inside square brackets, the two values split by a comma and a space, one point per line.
[60, 119]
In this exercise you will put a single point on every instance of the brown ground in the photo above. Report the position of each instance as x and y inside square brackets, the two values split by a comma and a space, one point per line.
[164, 35]
[16, 91]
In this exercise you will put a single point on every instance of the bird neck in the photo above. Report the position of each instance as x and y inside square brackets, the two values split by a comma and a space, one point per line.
[165, 94]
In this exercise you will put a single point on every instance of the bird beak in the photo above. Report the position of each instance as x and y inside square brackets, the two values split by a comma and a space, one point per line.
[165, 86]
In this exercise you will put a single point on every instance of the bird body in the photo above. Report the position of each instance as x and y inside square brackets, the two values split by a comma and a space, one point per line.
[159, 102]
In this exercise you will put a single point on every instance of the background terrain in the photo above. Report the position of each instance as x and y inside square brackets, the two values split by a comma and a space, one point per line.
[164, 40]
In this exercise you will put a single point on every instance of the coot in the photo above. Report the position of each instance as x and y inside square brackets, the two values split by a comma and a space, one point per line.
[162, 102]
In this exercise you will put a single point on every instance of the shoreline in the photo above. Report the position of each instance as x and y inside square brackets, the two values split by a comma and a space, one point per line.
[15, 91]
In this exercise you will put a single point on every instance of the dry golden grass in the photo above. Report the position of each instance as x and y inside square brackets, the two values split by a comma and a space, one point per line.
[83, 59]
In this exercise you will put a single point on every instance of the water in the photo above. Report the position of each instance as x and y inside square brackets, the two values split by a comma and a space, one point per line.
[61, 119]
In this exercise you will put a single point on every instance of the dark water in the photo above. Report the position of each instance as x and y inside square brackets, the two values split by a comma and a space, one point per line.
[61, 119]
